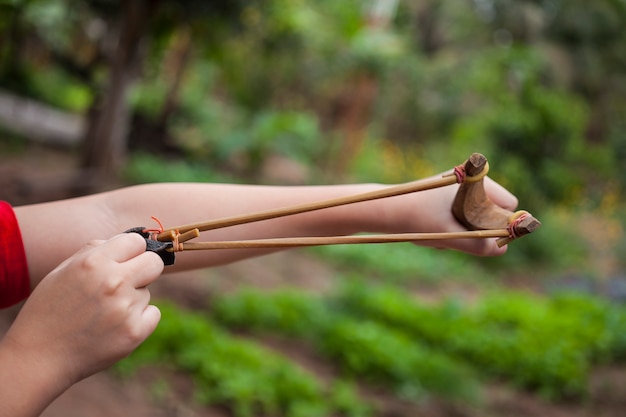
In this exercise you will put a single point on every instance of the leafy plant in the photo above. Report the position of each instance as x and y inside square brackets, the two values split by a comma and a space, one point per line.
[389, 357]
[145, 168]
[290, 312]
[364, 349]
[236, 373]
[402, 262]
[548, 345]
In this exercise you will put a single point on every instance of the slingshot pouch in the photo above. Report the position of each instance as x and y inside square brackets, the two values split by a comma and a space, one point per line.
[160, 248]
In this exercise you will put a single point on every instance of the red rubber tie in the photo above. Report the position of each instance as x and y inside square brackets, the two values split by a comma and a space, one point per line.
[511, 228]
[155, 231]
[459, 172]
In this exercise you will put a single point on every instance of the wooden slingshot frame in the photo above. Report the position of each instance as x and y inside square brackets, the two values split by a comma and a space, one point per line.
[471, 207]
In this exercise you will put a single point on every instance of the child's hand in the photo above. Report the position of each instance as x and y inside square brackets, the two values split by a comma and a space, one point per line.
[88, 313]
[431, 211]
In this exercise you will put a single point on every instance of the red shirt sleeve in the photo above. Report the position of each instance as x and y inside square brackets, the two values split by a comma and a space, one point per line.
[14, 277]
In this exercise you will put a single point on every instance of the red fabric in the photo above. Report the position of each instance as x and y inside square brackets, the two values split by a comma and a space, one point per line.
[14, 278]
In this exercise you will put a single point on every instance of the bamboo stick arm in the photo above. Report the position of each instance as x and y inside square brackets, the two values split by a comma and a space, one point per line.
[401, 189]
[341, 240]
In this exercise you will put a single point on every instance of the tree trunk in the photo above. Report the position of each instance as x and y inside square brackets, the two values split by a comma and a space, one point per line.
[175, 71]
[355, 104]
[152, 134]
[105, 142]
[354, 114]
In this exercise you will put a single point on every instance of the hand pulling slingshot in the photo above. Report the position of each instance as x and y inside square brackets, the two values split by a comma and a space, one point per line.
[471, 207]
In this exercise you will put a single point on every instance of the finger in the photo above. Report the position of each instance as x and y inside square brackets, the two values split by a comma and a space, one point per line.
[144, 269]
[481, 247]
[500, 195]
[142, 298]
[89, 246]
[144, 323]
[151, 317]
[148, 316]
[476, 247]
[123, 247]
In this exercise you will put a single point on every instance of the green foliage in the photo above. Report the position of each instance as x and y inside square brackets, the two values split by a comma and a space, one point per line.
[534, 132]
[148, 98]
[388, 357]
[595, 326]
[401, 262]
[236, 373]
[292, 312]
[293, 134]
[363, 349]
[56, 88]
[287, 133]
[47, 18]
[384, 334]
[548, 345]
[216, 130]
[145, 168]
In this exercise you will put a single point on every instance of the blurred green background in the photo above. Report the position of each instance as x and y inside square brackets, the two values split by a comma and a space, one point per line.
[319, 92]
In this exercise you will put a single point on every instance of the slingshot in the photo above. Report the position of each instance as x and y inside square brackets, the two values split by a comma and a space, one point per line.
[471, 207]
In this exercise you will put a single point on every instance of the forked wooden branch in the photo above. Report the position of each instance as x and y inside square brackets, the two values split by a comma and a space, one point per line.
[474, 210]
[471, 207]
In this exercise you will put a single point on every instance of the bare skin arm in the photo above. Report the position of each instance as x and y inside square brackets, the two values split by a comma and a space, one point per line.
[53, 231]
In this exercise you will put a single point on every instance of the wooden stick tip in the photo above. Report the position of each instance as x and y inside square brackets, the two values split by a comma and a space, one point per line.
[527, 226]
[475, 164]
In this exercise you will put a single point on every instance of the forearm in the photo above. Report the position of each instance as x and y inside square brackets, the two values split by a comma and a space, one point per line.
[27, 386]
[190, 203]
[53, 231]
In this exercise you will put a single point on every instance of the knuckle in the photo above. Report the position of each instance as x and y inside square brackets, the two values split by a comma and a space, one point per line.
[134, 334]
[156, 263]
[94, 243]
[90, 263]
[111, 283]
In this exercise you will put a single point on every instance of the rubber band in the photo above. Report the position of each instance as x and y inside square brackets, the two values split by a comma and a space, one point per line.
[478, 176]
[514, 220]
[154, 232]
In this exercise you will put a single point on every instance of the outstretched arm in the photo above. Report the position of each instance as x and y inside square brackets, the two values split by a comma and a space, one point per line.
[53, 231]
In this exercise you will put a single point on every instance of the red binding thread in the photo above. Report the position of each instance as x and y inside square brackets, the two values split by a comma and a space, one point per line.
[512, 227]
[154, 232]
[459, 172]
